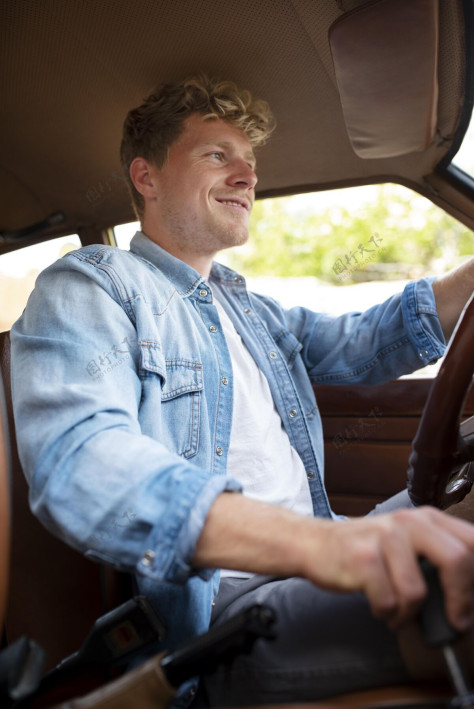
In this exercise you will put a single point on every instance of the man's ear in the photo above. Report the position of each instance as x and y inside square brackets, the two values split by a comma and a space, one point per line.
[141, 176]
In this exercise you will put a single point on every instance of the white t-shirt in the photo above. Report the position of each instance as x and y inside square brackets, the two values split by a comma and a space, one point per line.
[260, 454]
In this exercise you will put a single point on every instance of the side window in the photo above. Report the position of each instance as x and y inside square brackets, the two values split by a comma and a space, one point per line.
[349, 248]
[18, 272]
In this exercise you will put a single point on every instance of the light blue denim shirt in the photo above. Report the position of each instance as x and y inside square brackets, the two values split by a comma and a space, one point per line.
[123, 391]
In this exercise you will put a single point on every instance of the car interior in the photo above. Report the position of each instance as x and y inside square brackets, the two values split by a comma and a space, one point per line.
[364, 92]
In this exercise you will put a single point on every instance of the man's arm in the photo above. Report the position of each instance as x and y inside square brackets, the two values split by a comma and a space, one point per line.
[377, 555]
[96, 480]
[452, 292]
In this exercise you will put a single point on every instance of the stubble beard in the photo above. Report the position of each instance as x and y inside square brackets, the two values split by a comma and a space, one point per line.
[196, 238]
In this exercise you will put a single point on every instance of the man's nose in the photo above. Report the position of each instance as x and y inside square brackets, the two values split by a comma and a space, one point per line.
[243, 174]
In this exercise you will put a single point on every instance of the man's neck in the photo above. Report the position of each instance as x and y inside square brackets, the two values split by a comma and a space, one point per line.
[202, 263]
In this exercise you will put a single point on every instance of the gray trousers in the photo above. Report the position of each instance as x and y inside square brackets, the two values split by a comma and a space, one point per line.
[327, 643]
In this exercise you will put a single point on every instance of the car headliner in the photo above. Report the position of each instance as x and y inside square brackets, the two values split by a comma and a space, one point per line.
[70, 71]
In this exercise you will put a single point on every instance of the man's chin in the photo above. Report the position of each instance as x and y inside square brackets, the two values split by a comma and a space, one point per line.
[235, 239]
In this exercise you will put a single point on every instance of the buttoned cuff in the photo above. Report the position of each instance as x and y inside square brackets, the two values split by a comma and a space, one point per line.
[175, 565]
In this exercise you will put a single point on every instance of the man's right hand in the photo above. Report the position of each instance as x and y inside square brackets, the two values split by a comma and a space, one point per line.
[375, 555]
[380, 557]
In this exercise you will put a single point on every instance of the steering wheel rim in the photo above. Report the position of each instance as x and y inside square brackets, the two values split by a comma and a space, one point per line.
[439, 449]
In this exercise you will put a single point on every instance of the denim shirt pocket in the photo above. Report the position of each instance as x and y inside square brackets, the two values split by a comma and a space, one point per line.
[181, 383]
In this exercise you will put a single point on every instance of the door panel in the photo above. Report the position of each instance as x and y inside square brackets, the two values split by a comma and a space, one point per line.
[367, 435]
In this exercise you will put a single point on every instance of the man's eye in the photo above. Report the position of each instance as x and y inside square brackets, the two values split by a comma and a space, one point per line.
[217, 155]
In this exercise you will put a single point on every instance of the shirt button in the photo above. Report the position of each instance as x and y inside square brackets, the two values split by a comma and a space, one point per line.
[224, 380]
[148, 557]
[219, 450]
[310, 475]
[292, 413]
[423, 354]
[213, 328]
[203, 293]
[247, 311]
[238, 279]
[272, 355]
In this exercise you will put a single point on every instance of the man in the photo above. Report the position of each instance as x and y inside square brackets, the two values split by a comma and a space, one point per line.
[151, 389]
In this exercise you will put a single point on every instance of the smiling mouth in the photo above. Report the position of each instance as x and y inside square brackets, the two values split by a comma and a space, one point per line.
[240, 204]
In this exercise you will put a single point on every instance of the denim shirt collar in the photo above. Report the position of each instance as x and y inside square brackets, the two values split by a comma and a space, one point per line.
[183, 277]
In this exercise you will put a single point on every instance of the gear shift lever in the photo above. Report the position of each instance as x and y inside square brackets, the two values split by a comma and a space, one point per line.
[438, 632]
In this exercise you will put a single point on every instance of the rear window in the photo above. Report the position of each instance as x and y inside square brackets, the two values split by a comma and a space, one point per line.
[19, 270]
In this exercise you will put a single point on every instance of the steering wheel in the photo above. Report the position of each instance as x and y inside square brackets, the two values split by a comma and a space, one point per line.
[441, 467]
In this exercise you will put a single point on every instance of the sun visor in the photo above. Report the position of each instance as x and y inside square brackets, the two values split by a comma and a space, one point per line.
[385, 57]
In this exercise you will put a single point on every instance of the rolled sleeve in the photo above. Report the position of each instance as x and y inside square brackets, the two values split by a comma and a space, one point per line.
[422, 322]
[173, 562]
[389, 340]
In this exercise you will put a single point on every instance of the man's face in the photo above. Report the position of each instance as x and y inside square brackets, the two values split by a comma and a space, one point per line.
[205, 190]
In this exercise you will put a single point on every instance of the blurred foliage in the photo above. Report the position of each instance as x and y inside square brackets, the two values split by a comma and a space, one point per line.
[398, 235]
